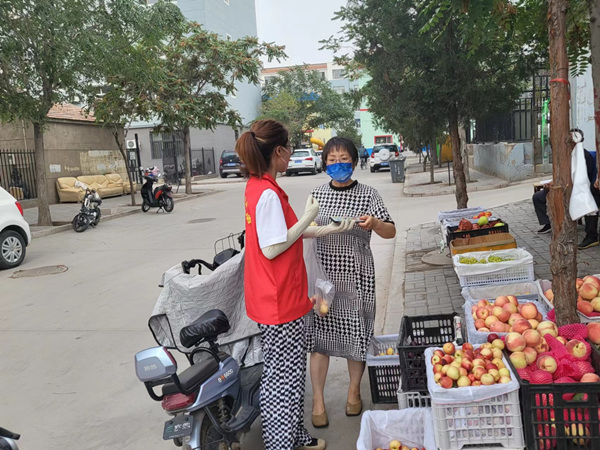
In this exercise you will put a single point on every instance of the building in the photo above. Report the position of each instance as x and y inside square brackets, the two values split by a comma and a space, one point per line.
[336, 76]
[231, 20]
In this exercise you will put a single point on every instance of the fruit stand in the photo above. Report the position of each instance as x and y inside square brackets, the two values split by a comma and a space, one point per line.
[516, 381]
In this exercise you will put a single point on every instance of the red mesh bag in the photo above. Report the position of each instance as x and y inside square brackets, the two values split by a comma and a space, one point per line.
[577, 415]
[558, 350]
[581, 368]
[525, 374]
[552, 315]
[540, 377]
[565, 369]
[574, 331]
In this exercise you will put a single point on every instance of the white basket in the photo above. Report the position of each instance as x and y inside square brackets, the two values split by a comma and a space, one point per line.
[544, 285]
[495, 422]
[492, 291]
[458, 214]
[380, 344]
[413, 400]
[413, 427]
[520, 269]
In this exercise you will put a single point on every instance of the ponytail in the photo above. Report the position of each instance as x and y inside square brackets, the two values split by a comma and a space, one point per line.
[255, 147]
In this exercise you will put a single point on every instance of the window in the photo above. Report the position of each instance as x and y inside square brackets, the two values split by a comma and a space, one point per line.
[323, 75]
[162, 145]
[338, 74]
[384, 139]
[357, 122]
[339, 89]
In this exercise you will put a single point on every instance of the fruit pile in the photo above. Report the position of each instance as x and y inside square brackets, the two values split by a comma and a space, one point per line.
[491, 259]
[505, 315]
[483, 214]
[588, 300]
[388, 352]
[469, 366]
[397, 445]
[482, 222]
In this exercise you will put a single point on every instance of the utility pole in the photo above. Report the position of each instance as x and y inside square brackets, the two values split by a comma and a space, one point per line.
[563, 247]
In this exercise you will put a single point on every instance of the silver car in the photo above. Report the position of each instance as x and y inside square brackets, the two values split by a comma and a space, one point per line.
[304, 160]
[381, 156]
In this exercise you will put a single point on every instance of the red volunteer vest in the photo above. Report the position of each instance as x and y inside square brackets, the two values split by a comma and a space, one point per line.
[276, 290]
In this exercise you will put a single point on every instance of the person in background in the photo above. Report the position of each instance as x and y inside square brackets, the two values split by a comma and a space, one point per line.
[346, 330]
[275, 285]
[364, 156]
[541, 209]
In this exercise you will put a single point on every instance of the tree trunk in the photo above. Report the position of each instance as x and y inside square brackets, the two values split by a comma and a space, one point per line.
[594, 6]
[563, 247]
[432, 152]
[459, 174]
[462, 134]
[188, 161]
[44, 216]
[124, 155]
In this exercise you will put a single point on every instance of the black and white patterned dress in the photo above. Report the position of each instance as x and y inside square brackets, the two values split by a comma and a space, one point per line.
[347, 259]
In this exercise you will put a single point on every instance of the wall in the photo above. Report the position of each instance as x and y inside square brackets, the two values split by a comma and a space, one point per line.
[509, 161]
[582, 106]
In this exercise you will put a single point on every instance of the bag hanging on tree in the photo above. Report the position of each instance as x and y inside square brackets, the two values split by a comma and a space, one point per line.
[320, 289]
[582, 202]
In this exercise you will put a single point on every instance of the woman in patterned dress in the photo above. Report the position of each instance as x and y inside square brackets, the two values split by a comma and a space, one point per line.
[347, 259]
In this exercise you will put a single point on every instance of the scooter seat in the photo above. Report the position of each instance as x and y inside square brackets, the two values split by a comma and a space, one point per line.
[193, 376]
[207, 327]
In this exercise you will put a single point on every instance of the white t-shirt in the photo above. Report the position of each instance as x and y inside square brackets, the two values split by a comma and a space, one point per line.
[270, 221]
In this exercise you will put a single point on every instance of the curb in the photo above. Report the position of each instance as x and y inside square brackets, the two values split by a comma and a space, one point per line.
[448, 192]
[61, 228]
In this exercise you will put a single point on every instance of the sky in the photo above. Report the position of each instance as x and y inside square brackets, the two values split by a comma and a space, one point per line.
[299, 25]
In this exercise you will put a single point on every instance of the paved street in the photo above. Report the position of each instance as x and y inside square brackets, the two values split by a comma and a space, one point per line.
[69, 339]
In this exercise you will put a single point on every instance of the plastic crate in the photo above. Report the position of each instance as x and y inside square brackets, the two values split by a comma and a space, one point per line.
[544, 285]
[548, 409]
[416, 334]
[495, 422]
[453, 232]
[500, 241]
[413, 400]
[519, 269]
[384, 371]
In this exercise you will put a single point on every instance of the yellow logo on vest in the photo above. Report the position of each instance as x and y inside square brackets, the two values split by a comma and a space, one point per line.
[248, 218]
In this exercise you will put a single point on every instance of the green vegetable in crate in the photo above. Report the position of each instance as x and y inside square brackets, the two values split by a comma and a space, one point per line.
[494, 259]
[468, 260]
[483, 261]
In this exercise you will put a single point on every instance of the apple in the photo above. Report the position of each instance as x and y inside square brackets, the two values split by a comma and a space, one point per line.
[578, 430]
[495, 373]
[467, 346]
[504, 372]
[487, 353]
[496, 352]
[437, 368]
[529, 311]
[483, 303]
[587, 308]
[497, 326]
[453, 373]
[532, 338]
[445, 369]
[550, 295]
[438, 352]
[478, 362]
[436, 359]
[498, 362]
[534, 323]
[510, 308]
[489, 366]
[513, 318]
[467, 364]
[476, 383]
[512, 299]
[478, 372]
[463, 381]
[519, 360]
[504, 379]
[463, 372]
[482, 313]
[539, 317]
[592, 280]
[588, 291]
[471, 377]
[469, 354]
[324, 308]
[448, 348]
[501, 301]
[595, 304]
[521, 325]
[487, 379]
[489, 320]
[479, 323]
[547, 363]
[542, 347]
[395, 445]
[390, 351]
[437, 377]
[590, 378]
[446, 382]
[547, 327]
[497, 343]
[594, 332]
[515, 342]
[576, 348]
[484, 330]
[530, 355]
[492, 337]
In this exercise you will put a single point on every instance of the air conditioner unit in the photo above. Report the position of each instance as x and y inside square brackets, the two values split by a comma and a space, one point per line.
[130, 143]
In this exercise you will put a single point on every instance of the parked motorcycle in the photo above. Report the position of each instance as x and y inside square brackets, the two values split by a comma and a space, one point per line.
[160, 197]
[213, 401]
[90, 212]
[7, 440]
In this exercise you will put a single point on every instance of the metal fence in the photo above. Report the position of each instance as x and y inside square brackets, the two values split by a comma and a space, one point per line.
[203, 161]
[17, 173]
[518, 125]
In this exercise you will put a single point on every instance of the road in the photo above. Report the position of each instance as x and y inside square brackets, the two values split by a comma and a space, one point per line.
[68, 340]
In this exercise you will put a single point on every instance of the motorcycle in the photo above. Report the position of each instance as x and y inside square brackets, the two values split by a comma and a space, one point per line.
[160, 197]
[90, 213]
[214, 400]
[7, 440]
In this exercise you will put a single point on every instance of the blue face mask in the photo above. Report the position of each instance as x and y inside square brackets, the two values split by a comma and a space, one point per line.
[340, 172]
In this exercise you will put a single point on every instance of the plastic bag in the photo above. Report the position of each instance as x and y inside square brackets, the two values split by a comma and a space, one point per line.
[582, 202]
[320, 289]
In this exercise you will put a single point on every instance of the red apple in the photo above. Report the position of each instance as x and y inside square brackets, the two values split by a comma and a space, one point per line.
[521, 325]
[446, 382]
[532, 338]
[576, 348]
[594, 332]
[530, 355]
[547, 363]
[585, 308]
[590, 378]
[588, 291]
[463, 381]
[492, 337]
[448, 348]
[547, 327]
[519, 360]
[482, 313]
[479, 323]
[467, 365]
[467, 346]
[478, 372]
[512, 299]
[487, 379]
[510, 308]
[515, 342]
[529, 311]
[501, 301]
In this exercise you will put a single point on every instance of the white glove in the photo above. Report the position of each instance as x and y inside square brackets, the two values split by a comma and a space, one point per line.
[311, 210]
[333, 227]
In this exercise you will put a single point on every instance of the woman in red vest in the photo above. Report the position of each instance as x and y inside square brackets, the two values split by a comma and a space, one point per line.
[275, 285]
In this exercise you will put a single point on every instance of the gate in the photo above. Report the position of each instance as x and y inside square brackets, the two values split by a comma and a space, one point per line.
[169, 148]
[203, 161]
[17, 173]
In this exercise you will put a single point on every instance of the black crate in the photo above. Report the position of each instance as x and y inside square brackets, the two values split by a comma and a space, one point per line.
[384, 381]
[416, 334]
[453, 232]
[547, 415]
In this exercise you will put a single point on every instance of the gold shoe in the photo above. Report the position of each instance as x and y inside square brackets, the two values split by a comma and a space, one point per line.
[354, 409]
[320, 420]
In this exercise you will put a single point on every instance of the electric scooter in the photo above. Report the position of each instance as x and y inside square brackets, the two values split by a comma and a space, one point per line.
[160, 197]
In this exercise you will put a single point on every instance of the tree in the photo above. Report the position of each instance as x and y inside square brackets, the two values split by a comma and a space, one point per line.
[434, 62]
[127, 67]
[197, 73]
[310, 102]
[348, 130]
[45, 45]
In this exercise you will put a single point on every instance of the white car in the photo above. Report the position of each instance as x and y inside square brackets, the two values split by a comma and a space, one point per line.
[304, 160]
[15, 235]
[381, 156]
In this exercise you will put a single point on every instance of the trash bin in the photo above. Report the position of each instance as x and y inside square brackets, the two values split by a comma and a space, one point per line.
[397, 169]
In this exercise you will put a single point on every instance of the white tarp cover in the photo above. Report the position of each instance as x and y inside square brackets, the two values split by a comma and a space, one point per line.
[185, 297]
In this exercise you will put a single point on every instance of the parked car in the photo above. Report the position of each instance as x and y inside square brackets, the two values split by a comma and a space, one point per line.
[230, 164]
[304, 160]
[15, 235]
[381, 156]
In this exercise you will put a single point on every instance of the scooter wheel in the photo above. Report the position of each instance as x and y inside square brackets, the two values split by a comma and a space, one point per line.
[80, 223]
[145, 206]
[169, 204]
